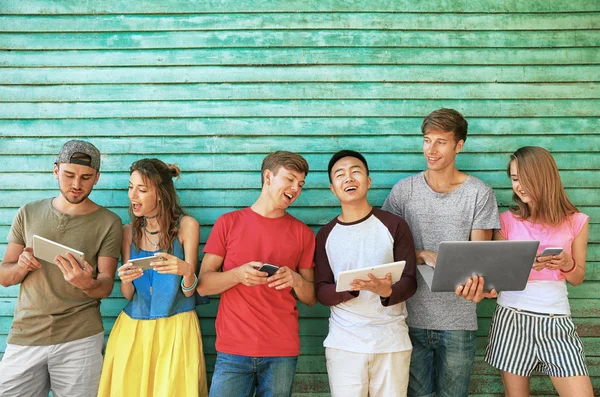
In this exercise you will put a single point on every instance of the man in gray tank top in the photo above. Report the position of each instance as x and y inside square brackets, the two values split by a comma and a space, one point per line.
[442, 204]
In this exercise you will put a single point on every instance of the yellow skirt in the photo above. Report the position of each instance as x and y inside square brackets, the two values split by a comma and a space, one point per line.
[154, 358]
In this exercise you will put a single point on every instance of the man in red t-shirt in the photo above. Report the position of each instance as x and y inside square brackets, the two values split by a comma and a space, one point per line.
[257, 322]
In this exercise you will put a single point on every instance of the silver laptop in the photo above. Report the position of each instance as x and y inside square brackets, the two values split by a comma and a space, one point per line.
[505, 265]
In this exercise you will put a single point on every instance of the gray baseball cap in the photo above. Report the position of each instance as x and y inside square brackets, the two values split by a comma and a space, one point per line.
[72, 152]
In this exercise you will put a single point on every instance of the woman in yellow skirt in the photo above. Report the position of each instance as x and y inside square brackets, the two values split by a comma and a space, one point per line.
[155, 347]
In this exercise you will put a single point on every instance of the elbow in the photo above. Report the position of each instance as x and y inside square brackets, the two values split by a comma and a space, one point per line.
[577, 282]
[202, 290]
[6, 281]
[311, 302]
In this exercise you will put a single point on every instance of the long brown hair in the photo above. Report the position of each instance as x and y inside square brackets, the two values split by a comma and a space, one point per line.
[160, 175]
[538, 176]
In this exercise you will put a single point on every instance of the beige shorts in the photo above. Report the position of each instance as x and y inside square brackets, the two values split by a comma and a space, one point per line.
[70, 369]
[361, 374]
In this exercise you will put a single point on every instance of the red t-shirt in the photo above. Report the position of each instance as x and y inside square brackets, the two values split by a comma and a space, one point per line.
[259, 321]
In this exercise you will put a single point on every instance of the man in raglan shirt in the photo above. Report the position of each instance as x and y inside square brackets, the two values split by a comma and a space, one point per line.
[367, 348]
[442, 204]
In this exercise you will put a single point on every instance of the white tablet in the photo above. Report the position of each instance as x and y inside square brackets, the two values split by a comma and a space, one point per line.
[47, 250]
[346, 277]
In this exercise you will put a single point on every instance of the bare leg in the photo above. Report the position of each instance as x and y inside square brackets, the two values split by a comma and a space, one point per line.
[515, 385]
[573, 386]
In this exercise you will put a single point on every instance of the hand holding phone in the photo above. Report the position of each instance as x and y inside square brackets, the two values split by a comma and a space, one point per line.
[144, 263]
[269, 269]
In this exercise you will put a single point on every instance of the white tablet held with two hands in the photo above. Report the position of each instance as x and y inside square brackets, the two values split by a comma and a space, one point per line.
[47, 250]
[346, 277]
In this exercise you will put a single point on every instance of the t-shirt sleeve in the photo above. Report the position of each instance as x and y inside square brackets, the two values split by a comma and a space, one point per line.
[217, 240]
[111, 244]
[486, 211]
[308, 249]
[324, 279]
[17, 233]
[393, 202]
[505, 221]
[579, 220]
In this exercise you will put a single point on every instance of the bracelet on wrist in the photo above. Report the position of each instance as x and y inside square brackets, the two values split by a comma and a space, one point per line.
[571, 270]
[191, 287]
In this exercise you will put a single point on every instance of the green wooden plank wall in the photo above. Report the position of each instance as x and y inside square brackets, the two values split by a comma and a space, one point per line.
[214, 85]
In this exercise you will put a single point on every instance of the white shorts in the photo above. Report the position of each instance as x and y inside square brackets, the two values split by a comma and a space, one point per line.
[521, 342]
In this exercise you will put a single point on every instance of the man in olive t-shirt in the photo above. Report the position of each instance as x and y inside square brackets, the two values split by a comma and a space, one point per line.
[56, 338]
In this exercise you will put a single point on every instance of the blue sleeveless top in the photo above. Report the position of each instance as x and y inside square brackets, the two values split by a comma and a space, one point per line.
[158, 295]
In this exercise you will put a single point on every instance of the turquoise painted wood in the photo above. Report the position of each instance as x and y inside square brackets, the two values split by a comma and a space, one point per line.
[214, 85]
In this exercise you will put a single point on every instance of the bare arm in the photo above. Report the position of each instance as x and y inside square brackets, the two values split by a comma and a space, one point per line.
[189, 235]
[212, 281]
[190, 239]
[481, 235]
[565, 262]
[127, 272]
[18, 261]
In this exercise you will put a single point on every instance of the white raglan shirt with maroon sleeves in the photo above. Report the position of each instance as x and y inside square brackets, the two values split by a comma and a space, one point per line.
[365, 324]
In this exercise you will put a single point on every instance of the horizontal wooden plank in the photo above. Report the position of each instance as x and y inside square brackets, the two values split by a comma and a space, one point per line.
[245, 162]
[299, 38]
[312, 73]
[305, 91]
[310, 198]
[300, 56]
[310, 215]
[294, 21]
[318, 383]
[300, 108]
[339, 126]
[47, 7]
[301, 144]
[587, 290]
[16, 186]
[580, 308]
[315, 215]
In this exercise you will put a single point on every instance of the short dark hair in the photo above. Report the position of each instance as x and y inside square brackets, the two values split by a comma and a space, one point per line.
[281, 158]
[448, 120]
[345, 153]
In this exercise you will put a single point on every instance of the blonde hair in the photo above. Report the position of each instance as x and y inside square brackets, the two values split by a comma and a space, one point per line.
[538, 176]
[160, 175]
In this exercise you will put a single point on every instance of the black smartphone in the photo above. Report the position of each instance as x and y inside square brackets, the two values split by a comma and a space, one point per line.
[269, 269]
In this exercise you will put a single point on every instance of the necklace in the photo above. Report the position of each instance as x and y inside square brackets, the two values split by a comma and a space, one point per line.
[155, 245]
[151, 233]
[151, 217]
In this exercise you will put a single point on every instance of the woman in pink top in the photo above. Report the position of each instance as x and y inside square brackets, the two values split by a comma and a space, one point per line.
[532, 329]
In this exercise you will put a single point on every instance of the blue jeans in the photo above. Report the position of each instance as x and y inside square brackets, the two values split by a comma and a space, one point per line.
[241, 376]
[441, 362]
